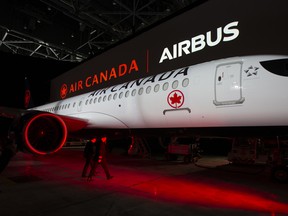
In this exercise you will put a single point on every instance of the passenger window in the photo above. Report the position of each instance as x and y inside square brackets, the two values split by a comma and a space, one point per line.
[140, 92]
[175, 84]
[120, 95]
[185, 82]
[165, 86]
[99, 99]
[127, 94]
[148, 89]
[109, 97]
[95, 100]
[134, 92]
[156, 88]
[115, 96]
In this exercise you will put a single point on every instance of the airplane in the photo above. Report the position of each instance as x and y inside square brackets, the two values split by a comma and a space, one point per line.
[235, 96]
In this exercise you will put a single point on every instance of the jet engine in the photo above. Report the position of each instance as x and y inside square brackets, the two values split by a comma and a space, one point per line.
[40, 132]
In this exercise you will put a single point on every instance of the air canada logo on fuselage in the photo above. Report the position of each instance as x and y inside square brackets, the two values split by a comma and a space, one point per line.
[223, 34]
[144, 81]
[175, 99]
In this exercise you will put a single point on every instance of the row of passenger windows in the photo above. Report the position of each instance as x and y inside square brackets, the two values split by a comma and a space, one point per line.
[141, 90]
[126, 94]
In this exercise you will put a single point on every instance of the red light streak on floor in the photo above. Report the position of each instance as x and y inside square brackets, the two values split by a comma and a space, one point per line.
[180, 189]
[211, 194]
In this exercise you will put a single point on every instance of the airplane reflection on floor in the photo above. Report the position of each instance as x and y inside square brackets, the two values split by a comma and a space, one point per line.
[157, 184]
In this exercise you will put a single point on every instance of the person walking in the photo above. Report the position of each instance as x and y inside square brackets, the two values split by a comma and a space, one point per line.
[89, 153]
[100, 158]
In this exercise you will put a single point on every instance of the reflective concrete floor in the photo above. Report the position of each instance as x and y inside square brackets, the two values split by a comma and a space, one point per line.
[52, 185]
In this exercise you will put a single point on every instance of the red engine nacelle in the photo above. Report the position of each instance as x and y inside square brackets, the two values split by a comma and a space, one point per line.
[42, 133]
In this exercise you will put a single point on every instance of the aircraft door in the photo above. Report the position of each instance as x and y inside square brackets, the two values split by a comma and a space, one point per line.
[228, 85]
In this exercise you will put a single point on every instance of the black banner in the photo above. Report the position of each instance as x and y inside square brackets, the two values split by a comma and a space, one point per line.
[213, 30]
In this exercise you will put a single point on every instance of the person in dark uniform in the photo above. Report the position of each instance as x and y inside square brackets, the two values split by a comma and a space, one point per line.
[89, 152]
[100, 158]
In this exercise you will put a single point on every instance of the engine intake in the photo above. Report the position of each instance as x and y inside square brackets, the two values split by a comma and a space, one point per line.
[42, 133]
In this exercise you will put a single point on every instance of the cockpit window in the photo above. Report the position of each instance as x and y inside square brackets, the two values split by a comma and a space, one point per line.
[278, 67]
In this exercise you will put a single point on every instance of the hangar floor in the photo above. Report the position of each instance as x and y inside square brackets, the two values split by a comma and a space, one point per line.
[52, 185]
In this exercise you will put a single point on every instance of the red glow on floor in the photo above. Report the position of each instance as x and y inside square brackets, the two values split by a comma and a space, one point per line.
[211, 194]
[178, 189]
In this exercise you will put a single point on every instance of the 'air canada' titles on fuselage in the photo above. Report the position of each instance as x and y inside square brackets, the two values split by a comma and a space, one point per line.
[227, 33]
[143, 81]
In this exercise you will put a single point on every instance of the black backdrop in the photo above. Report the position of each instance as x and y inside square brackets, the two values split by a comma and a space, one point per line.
[15, 67]
[262, 26]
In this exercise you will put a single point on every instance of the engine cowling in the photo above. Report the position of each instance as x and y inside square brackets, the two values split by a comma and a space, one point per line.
[41, 133]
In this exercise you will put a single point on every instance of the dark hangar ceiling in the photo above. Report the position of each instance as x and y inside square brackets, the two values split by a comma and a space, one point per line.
[74, 30]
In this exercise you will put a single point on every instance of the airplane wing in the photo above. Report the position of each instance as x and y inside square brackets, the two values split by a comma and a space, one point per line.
[8, 112]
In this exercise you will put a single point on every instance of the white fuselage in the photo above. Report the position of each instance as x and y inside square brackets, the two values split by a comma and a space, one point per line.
[229, 92]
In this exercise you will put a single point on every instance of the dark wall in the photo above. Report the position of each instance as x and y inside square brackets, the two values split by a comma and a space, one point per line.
[15, 67]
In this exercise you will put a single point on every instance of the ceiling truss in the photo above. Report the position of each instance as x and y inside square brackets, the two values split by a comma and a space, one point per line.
[19, 43]
[74, 30]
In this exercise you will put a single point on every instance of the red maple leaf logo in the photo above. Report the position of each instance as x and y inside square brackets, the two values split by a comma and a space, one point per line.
[63, 91]
[175, 99]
